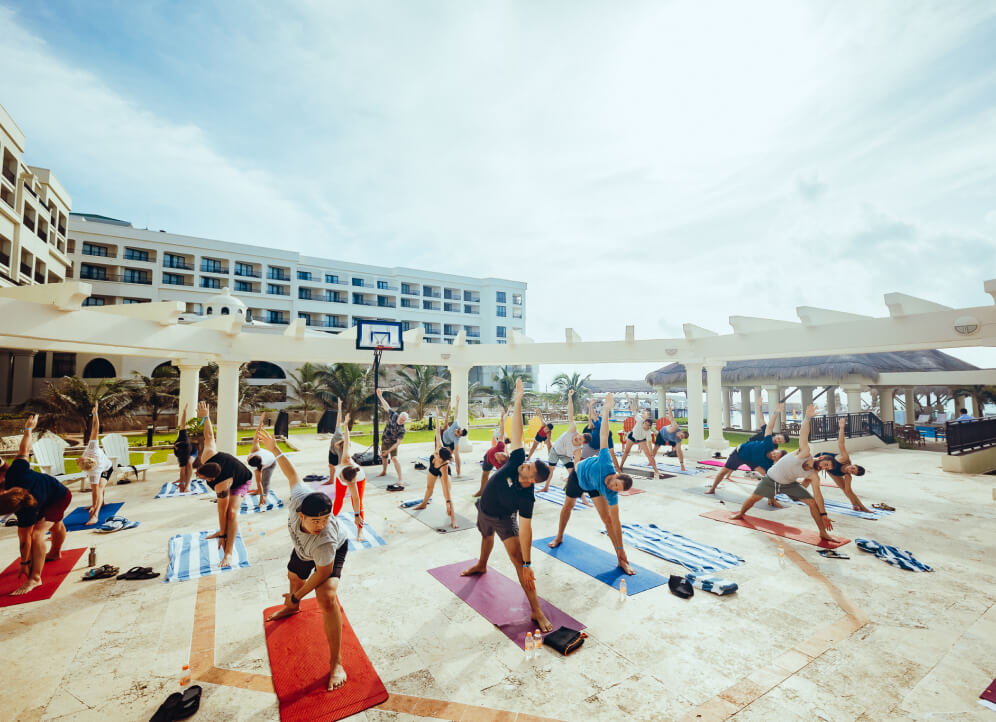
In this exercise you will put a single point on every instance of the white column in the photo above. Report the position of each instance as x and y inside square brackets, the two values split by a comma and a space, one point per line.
[20, 388]
[886, 401]
[806, 397]
[714, 372]
[960, 402]
[226, 433]
[757, 424]
[853, 398]
[772, 393]
[727, 404]
[746, 409]
[831, 401]
[661, 401]
[693, 386]
[910, 406]
[459, 383]
[189, 387]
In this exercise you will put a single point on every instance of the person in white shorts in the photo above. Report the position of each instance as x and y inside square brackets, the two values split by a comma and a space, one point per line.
[642, 435]
[567, 448]
[97, 466]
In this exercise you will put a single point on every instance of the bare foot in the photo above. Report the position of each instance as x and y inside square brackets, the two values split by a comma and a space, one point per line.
[383, 473]
[26, 587]
[627, 568]
[478, 493]
[93, 520]
[284, 611]
[337, 678]
[476, 569]
[359, 537]
[775, 504]
[453, 524]
[421, 506]
[711, 491]
[226, 561]
[214, 536]
[327, 483]
[738, 515]
[542, 622]
[829, 538]
[53, 556]
[546, 488]
[555, 543]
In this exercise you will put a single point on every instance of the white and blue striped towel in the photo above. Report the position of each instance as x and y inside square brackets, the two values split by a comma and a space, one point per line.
[169, 489]
[251, 503]
[664, 467]
[192, 555]
[370, 537]
[838, 507]
[678, 549]
[710, 583]
[892, 555]
[556, 495]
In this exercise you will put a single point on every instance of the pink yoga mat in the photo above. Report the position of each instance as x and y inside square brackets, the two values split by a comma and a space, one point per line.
[722, 462]
[500, 600]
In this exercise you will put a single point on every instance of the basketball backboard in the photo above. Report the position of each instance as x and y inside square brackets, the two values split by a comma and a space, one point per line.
[379, 336]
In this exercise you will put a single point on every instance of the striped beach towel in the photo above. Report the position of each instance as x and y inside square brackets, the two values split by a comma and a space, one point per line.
[251, 503]
[556, 495]
[892, 555]
[196, 487]
[665, 467]
[838, 507]
[370, 540]
[678, 549]
[192, 555]
[710, 583]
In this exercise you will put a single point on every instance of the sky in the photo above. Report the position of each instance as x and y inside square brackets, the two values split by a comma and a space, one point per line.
[647, 163]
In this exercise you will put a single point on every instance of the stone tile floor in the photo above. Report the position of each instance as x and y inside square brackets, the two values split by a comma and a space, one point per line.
[804, 638]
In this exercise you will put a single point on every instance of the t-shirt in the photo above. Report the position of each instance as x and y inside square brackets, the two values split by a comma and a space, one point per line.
[393, 431]
[641, 434]
[45, 489]
[543, 432]
[489, 456]
[338, 438]
[965, 417]
[265, 456]
[450, 434]
[231, 468]
[319, 548]
[664, 436]
[788, 469]
[564, 445]
[755, 453]
[94, 451]
[361, 475]
[503, 494]
[592, 472]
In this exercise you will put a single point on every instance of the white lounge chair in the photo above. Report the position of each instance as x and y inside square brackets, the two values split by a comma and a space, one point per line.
[116, 448]
[942, 419]
[923, 419]
[49, 454]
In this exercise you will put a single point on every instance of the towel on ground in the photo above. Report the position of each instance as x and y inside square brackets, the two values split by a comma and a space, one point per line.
[251, 503]
[169, 489]
[556, 495]
[710, 583]
[193, 555]
[892, 555]
[370, 536]
[678, 549]
[838, 507]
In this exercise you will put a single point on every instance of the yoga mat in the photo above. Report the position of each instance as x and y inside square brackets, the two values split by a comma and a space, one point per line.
[500, 600]
[722, 462]
[988, 696]
[556, 495]
[435, 517]
[730, 497]
[192, 555]
[678, 549]
[600, 564]
[299, 663]
[170, 490]
[773, 527]
[671, 468]
[77, 519]
[838, 507]
[53, 574]
[251, 503]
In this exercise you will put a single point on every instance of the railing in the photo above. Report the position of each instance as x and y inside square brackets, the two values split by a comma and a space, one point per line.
[213, 269]
[39, 277]
[865, 423]
[9, 175]
[26, 269]
[277, 277]
[140, 257]
[117, 277]
[386, 287]
[30, 190]
[473, 334]
[62, 230]
[178, 265]
[411, 292]
[5, 259]
[970, 435]
[181, 281]
[329, 325]
[278, 291]
[472, 313]
[42, 232]
[471, 299]
[247, 273]
[359, 302]
[94, 251]
[431, 294]
[335, 299]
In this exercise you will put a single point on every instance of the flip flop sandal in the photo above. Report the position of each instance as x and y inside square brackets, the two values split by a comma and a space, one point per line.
[832, 554]
[395, 487]
[167, 710]
[104, 572]
[190, 702]
[134, 570]
[883, 507]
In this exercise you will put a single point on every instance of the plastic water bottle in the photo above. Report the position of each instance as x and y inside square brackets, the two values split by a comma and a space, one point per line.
[622, 590]
[537, 643]
[529, 646]
[781, 555]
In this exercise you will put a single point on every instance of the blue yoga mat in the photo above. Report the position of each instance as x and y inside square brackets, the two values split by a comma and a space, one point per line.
[77, 519]
[600, 564]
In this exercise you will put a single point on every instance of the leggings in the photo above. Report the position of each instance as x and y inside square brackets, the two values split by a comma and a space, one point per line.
[340, 496]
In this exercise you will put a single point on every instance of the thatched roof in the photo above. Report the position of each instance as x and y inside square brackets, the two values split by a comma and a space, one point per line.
[617, 386]
[798, 369]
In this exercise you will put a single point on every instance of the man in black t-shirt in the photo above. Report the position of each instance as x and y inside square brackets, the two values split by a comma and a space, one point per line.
[507, 496]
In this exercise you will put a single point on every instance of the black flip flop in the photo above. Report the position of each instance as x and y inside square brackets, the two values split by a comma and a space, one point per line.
[167, 710]
[190, 702]
[680, 587]
[139, 573]
[832, 554]
[395, 487]
[103, 572]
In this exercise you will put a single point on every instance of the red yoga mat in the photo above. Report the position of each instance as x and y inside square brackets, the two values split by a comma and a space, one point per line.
[299, 663]
[53, 575]
[773, 527]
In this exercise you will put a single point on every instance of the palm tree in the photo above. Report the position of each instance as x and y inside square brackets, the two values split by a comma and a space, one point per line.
[304, 386]
[565, 383]
[251, 396]
[155, 393]
[503, 390]
[350, 382]
[422, 387]
[71, 399]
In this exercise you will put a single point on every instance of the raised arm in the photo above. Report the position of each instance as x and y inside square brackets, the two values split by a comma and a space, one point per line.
[95, 427]
[456, 408]
[632, 408]
[205, 415]
[24, 450]
[516, 431]
[758, 412]
[572, 424]
[673, 426]
[603, 431]
[804, 431]
[501, 426]
[841, 443]
[267, 441]
[255, 438]
[380, 395]
[438, 437]
[345, 440]
[769, 428]
[183, 418]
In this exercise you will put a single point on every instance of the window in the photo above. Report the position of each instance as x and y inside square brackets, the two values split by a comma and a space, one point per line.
[305, 316]
[450, 330]
[211, 265]
[516, 313]
[500, 311]
[245, 269]
[500, 297]
[277, 274]
[276, 290]
[133, 275]
[500, 331]
[38, 363]
[331, 278]
[135, 254]
[429, 306]
[97, 273]
[275, 317]
[172, 279]
[501, 340]
[134, 300]
[358, 299]
[210, 283]
[408, 325]
[467, 308]
[516, 299]
[243, 287]
[383, 285]
[409, 289]
[358, 282]
[335, 297]
[171, 260]
[304, 294]
[91, 249]
[409, 303]
[63, 364]
[304, 275]
[385, 302]
[93, 301]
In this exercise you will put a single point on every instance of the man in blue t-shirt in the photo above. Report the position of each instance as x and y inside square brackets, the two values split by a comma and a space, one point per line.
[671, 435]
[598, 477]
[757, 453]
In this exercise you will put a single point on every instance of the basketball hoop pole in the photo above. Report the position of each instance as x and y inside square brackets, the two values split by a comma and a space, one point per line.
[376, 369]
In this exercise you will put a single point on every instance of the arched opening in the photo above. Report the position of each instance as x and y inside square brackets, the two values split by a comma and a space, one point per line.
[165, 370]
[209, 310]
[265, 370]
[225, 311]
[99, 368]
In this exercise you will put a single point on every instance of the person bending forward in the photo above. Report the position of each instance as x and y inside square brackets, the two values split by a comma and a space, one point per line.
[97, 466]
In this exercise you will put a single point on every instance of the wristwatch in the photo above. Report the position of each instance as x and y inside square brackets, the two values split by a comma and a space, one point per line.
[526, 565]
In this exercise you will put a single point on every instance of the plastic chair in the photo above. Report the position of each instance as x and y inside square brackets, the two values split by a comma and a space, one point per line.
[116, 448]
[50, 458]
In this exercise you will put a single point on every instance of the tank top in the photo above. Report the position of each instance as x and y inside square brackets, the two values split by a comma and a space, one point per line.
[788, 468]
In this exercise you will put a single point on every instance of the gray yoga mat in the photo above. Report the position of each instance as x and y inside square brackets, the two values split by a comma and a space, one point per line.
[435, 517]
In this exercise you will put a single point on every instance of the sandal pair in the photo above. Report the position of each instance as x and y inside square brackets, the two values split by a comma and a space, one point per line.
[883, 507]
[102, 572]
[139, 573]
[179, 705]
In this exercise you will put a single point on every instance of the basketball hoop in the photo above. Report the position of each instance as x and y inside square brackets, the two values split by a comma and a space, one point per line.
[378, 336]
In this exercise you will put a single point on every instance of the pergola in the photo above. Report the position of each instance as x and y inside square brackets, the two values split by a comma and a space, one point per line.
[51, 317]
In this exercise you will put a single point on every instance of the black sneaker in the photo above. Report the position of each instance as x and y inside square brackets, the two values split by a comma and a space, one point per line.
[395, 487]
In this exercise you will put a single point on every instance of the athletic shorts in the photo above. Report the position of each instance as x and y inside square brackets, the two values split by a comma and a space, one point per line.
[333, 459]
[302, 569]
[540, 439]
[573, 488]
[506, 528]
[236, 490]
[485, 466]
[57, 509]
[392, 454]
[768, 488]
[554, 458]
[733, 462]
[451, 447]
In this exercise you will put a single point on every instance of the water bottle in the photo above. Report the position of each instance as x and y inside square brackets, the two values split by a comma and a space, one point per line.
[537, 643]
[781, 555]
[529, 646]
[622, 590]
[92, 558]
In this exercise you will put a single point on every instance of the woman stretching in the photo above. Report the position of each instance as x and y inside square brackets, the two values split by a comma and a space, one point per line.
[40, 502]
[263, 463]
[97, 466]
[352, 479]
[230, 479]
[439, 467]
[185, 452]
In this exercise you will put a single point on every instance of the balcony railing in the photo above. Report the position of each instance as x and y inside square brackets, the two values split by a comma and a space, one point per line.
[246, 273]
[473, 334]
[411, 291]
[338, 324]
[214, 269]
[361, 302]
[434, 331]
[182, 281]
[9, 175]
[277, 277]
[970, 435]
[5, 259]
[140, 257]
[387, 304]
[178, 265]
[335, 299]
[42, 233]
[451, 308]
[30, 190]
[62, 230]
[386, 287]
[116, 278]
[431, 294]
[26, 269]
[865, 423]
[39, 277]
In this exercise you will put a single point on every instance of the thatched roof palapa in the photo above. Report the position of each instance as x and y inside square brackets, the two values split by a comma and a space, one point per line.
[617, 386]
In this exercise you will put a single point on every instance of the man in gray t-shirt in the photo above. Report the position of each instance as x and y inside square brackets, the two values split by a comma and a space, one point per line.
[320, 545]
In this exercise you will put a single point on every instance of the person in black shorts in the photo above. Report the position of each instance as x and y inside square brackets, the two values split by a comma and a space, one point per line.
[230, 479]
[508, 495]
[185, 451]
[317, 558]
[439, 468]
[760, 452]
[40, 503]
[844, 470]
[543, 435]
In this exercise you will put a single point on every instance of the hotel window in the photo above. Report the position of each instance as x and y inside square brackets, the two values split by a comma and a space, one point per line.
[305, 316]
[244, 269]
[500, 331]
[38, 364]
[133, 275]
[172, 279]
[63, 364]
[499, 297]
[243, 287]
[93, 301]
[516, 313]
[275, 317]
[136, 254]
[134, 300]
[90, 249]
[97, 273]
[277, 274]
[210, 283]
[409, 303]
[211, 265]
[331, 278]
[358, 282]
[383, 285]
[171, 260]
[304, 294]
[275, 290]
[409, 289]
[304, 275]
[500, 311]
[516, 299]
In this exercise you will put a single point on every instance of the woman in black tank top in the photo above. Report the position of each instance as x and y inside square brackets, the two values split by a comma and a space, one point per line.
[439, 468]
[844, 470]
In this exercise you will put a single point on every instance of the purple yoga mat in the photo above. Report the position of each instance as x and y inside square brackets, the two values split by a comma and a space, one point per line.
[500, 600]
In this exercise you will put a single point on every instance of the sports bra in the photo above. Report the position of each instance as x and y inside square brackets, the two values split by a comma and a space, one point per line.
[432, 466]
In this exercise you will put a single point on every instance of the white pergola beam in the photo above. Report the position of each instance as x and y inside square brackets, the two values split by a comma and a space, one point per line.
[296, 328]
[166, 313]
[813, 316]
[900, 305]
[693, 332]
[413, 336]
[990, 288]
[752, 324]
[630, 334]
[571, 336]
[67, 296]
[228, 325]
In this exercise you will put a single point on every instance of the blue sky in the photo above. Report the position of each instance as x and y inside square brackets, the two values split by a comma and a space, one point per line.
[682, 161]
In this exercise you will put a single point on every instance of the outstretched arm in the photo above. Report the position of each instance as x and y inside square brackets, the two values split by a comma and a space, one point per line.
[267, 441]
[456, 408]
[769, 428]
[501, 427]
[183, 418]
[804, 450]
[380, 395]
[438, 439]
[841, 444]
[572, 425]
[603, 432]
[255, 438]
[632, 408]
[24, 450]
[345, 439]
[205, 415]
[516, 430]
[95, 428]
[673, 426]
